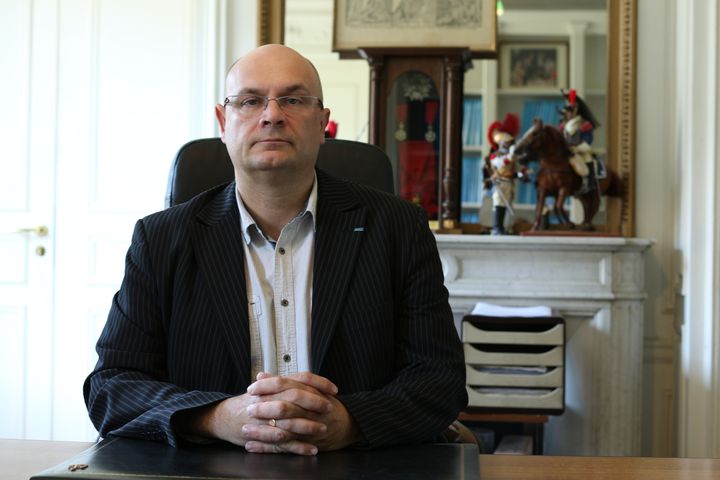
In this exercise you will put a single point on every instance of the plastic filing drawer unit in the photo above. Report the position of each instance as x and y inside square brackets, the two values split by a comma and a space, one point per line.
[515, 364]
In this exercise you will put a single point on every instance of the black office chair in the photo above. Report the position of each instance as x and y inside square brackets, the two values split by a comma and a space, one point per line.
[202, 164]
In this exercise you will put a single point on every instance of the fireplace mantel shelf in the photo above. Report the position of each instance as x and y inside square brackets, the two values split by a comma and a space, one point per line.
[580, 243]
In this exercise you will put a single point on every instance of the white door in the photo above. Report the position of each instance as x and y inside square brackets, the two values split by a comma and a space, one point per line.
[97, 96]
[27, 130]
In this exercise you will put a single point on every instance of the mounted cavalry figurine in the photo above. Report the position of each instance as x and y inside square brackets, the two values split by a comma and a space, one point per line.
[577, 126]
[567, 165]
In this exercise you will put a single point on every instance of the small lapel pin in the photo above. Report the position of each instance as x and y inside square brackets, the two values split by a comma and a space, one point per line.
[359, 229]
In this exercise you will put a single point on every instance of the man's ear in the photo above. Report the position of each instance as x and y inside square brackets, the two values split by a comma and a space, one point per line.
[220, 115]
[324, 122]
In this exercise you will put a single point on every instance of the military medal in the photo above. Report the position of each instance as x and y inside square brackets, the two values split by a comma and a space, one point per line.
[401, 133]
[431, 107]
[430, 135]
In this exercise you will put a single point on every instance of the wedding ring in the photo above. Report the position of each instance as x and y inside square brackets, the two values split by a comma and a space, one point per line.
[272, 422]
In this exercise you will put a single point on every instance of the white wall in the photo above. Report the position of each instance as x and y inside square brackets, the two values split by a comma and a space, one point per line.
[677, 204]
[697, 238]
[657, 195]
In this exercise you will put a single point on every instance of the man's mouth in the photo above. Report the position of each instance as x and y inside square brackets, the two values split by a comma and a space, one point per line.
[272, 141]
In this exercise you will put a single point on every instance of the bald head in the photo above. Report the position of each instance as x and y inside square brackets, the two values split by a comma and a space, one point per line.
[273, 62]
[273, 146]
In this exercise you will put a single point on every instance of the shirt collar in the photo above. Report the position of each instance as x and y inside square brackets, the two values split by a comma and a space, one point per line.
[247, 222]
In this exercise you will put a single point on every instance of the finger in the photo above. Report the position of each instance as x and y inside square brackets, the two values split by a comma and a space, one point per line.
[295, 428]
[321, 383]
[302, 426]
[268, 384]
[288, 428]
[294, 446]
[264, 433]
[312, 401]
[290, 404]
[303, 396]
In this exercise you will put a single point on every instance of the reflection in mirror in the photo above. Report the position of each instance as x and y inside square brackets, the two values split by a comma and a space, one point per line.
[544, 46]
[600, 66]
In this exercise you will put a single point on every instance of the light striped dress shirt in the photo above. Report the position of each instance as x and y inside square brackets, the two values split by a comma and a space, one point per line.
[279, 277]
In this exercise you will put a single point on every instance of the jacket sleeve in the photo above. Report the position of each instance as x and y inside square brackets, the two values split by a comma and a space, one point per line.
[427, 390]
[128, 393]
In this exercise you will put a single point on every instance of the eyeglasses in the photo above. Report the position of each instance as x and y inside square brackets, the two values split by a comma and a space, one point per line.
[250, 105]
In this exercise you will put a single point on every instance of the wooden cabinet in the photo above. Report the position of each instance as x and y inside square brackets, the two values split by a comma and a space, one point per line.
[416, 117]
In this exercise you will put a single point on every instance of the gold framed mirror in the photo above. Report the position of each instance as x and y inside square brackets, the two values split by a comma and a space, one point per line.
[620, 95]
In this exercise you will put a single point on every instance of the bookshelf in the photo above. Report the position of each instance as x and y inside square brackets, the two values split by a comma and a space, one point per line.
[585, 33]
[471, 186]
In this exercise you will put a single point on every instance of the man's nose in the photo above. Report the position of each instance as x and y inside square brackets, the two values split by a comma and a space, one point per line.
[272, 113]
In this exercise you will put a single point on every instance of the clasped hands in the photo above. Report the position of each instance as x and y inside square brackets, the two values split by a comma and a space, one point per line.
[294, 414]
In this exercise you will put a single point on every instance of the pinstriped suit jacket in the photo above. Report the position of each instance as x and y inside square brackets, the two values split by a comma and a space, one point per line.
[177, 333]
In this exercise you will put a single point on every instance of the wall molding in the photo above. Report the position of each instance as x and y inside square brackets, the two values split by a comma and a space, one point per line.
[696, 129]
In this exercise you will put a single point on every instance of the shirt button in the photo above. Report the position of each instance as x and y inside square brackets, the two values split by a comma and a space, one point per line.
[284, 302]
[286, 358]
[281, 250]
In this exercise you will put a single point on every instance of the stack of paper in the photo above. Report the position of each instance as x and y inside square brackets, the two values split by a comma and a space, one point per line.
[490, 310]
[514, 391]
[510, 370]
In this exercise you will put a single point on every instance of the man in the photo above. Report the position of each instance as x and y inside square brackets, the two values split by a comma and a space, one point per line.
[287, 311]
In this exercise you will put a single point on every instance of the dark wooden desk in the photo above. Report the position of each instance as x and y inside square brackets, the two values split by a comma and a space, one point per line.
[21, 458]
[123, 458]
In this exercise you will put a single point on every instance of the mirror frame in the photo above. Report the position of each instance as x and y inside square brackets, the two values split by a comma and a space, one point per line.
[270, 21]
[622, 61]
[622, 66]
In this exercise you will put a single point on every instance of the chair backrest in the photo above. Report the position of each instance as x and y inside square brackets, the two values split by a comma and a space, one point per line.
[202, 164]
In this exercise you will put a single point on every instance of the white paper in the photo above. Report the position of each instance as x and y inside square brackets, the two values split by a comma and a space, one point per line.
[490, 310]
[535, 392]
[510, 370]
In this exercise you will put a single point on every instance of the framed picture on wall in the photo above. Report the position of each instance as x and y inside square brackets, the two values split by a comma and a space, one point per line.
[411, 24]
[533, 66]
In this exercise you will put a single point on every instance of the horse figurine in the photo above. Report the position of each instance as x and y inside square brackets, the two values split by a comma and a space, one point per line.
[556, 177]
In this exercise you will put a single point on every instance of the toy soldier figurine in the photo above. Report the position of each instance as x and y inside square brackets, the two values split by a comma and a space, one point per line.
[501, 169]
[577, 126]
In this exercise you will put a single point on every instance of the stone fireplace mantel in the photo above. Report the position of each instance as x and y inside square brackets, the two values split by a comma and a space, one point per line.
[595, 283]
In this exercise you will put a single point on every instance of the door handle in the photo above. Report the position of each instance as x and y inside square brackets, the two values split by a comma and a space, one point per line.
[40, 230]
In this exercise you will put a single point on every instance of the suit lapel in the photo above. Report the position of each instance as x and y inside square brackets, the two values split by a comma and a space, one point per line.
[217, 243]
[340, 227]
